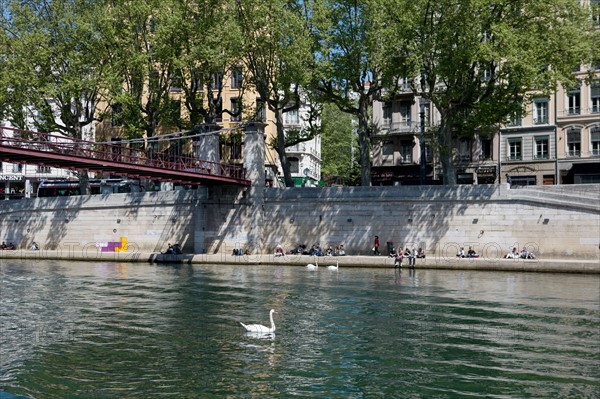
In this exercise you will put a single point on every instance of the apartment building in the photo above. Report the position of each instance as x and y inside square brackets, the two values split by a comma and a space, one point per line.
[236, 104]
[402, 124]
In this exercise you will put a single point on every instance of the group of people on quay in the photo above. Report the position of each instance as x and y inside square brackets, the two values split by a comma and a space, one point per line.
[174, 249]
[399, 254]
[4, 246]
[524, 254]
[471, 253]
[315, 250]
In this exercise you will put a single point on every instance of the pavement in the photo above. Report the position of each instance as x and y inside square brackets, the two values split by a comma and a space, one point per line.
[570, 265]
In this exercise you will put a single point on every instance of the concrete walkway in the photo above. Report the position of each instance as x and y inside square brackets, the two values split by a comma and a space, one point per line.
[522, 265]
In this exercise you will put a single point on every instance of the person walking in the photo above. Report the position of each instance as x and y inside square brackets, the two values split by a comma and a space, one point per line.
[376, 246]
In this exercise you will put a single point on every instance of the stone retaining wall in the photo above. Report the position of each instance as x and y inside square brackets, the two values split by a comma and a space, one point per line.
[564, 223]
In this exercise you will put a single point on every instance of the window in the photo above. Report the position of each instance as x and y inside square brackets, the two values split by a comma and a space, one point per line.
[197, 81]
[42, 169]
[540, 112]
[574, 101]
[116, 118]
[236, 78]
[236, 110]
[17, 168]
[406, 147]
[175, 84]
[595, 11]
[261, 110]
[387, 114]
[1, 166]
[464, 150]
[216, 81]
[294, 165]
[405, 113]
[291, 117]
[485, 149]
[524, 180]
[595, 140]
[387, 152]
[514, 149]
[595, 97]
[541, 147]
[515, 120]
[574, 143]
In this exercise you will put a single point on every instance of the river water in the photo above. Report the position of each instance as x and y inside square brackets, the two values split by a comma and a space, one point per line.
[116, 330]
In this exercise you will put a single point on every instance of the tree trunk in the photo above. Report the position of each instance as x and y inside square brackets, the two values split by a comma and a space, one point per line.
[364, 142]
[285, 165]
[446, 155]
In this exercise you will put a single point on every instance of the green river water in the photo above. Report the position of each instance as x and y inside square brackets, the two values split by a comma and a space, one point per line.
[116, 330]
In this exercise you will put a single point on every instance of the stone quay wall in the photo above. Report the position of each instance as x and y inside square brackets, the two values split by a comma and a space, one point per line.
[554, 222]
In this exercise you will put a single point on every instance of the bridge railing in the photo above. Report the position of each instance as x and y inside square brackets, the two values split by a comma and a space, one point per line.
[118, 153]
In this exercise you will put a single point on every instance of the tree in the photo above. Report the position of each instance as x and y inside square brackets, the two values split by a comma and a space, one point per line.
[207, 50]
[339, 146]
[278, 53]
[349, 47]
[53, 66]
[477, 61]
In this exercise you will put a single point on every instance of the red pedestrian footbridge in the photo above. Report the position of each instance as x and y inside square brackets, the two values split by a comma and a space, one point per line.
[36, 148]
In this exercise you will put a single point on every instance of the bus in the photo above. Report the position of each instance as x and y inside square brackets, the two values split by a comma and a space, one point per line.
[65, 188]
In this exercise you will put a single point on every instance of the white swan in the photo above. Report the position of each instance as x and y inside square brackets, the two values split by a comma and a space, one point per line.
[332, 267]
[258, 328]
[310, 266]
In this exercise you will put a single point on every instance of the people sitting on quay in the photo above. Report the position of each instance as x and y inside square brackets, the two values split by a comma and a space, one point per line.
[399, 258]
[420, 253]
[174, 249]
[525, 254]
[316, 250]
[461, 253]
[35, 246]
[339, 250]
[390, 249]
[471, 253]
[329, 251]
[514, 254]
[8, 247]
[279, 250]
[410, 255]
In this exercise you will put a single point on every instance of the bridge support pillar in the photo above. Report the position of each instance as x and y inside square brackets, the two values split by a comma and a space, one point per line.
[206, 146]
[254, 164]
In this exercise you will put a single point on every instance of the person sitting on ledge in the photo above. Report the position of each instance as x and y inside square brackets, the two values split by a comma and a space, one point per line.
[35, 246]
[513, 255]
[471, 253]
[3, 245]
[399, 258]
[10, 246]
[420, 253]
[525, 254]
[460, 253]
[279, 250]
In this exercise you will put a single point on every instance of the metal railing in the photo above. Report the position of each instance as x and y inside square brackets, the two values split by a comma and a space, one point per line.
[56, 144]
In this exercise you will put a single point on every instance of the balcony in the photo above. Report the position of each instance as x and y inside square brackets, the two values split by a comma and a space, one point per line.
[401, 126]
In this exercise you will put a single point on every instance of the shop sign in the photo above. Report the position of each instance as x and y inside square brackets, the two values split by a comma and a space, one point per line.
[11, 177]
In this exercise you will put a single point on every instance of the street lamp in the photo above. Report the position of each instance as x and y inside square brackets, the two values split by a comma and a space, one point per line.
[422, 173]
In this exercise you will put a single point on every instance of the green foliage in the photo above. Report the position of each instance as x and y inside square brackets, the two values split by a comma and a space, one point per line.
[477, 61]
[278, 53]
[339, 147]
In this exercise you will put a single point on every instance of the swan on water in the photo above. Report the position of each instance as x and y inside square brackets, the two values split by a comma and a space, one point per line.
[258, 328]
[332, 267]
[310, 266]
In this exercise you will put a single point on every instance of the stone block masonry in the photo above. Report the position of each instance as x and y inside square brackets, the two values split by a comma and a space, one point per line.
[215, 220]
